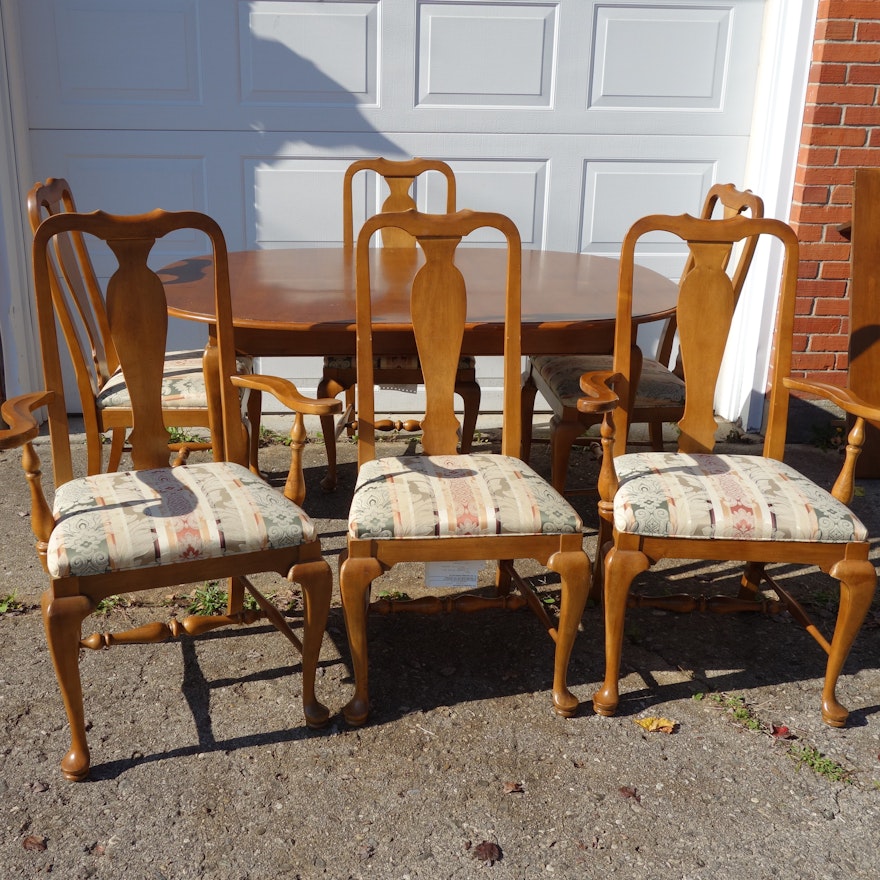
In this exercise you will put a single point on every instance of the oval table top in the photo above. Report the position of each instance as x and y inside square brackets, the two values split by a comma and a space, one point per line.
[301, 301]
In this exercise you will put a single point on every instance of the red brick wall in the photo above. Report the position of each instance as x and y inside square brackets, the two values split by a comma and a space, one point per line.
[841, 131]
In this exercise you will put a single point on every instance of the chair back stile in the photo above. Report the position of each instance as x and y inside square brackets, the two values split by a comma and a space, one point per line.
[59, 431]
[340, 373]
[438, 313]
[400, 177]
[73, 263]
[78, 301]
[137, 321]
[657, 385]
[708, 297]
[780, 370]
[104, 397]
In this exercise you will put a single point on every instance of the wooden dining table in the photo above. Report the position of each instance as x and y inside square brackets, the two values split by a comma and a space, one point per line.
[301, 301]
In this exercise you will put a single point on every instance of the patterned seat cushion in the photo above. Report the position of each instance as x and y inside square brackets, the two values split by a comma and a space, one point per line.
[183, 382]
[742, 497]
[453, 496]
[388, 362]
[135, 519]
[562, 373]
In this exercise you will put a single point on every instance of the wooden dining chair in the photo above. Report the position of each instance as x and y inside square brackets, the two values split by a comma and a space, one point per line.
[339, 372]
[660, 387]
[103, 391]
[157, 526]
[443, 505]
[694, 504]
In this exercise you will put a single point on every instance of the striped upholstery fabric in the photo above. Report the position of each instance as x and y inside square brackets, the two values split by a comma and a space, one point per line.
[389, 362]
[453, 496]
[742, 497]
[128, 520]
[183, 383]
[562, 373]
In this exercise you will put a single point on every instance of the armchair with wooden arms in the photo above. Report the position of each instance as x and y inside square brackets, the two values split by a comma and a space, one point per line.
[694, 504]
[103, 393]
[157, 526]
[339, 372]
[660, 387]
[444, 505]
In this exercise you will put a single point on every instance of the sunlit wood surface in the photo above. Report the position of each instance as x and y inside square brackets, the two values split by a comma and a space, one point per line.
[301, 301]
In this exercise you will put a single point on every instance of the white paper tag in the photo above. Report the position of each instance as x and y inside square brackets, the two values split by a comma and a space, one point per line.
[461, 573]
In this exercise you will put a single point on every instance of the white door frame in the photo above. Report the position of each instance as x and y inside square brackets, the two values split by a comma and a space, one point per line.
[786, 53]
[18, 325]
[785, 59]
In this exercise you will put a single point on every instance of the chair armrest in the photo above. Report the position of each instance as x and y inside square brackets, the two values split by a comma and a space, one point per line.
[287, 393]
[844, 486]
[18, 414]
[847, 400]
[23, 427]
[600, 396]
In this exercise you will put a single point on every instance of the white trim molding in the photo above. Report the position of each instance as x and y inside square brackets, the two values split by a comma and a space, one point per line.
[786, 53]
[18, 327]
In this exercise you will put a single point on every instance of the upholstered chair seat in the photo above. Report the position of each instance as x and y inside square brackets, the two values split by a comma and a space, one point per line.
[562, 373]
[439, 496]
[740, 497]
[134, 519]
[389, 362]
[183, 382]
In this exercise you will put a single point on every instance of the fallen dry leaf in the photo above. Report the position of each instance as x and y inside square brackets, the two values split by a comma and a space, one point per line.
[487, 852]
[513, 788]
[657, 725]
[34, 843]
[628, 791]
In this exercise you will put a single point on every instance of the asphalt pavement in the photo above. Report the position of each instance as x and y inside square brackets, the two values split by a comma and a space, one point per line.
[203, 767]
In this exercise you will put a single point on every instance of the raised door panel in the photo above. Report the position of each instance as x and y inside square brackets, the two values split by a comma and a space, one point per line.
[486, 54]
[574, 117]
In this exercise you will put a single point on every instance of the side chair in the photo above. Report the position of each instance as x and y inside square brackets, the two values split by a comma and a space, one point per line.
[694, 504]
[339, 372]
[445, 505]
[103, 392]
[660, 387]
[157, 526]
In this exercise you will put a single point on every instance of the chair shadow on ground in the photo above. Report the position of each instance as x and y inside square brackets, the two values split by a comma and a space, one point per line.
[196, 689]
[408, 670]
[421, 663]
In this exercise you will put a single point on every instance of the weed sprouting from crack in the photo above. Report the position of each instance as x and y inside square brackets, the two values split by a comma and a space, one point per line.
[821, 765]
[802, 754]
[10, 603]
[739, 710]
[270, 437]
[109, 603]
[211, 599]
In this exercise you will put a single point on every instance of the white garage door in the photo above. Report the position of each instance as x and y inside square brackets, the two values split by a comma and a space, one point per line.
[574, 117]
